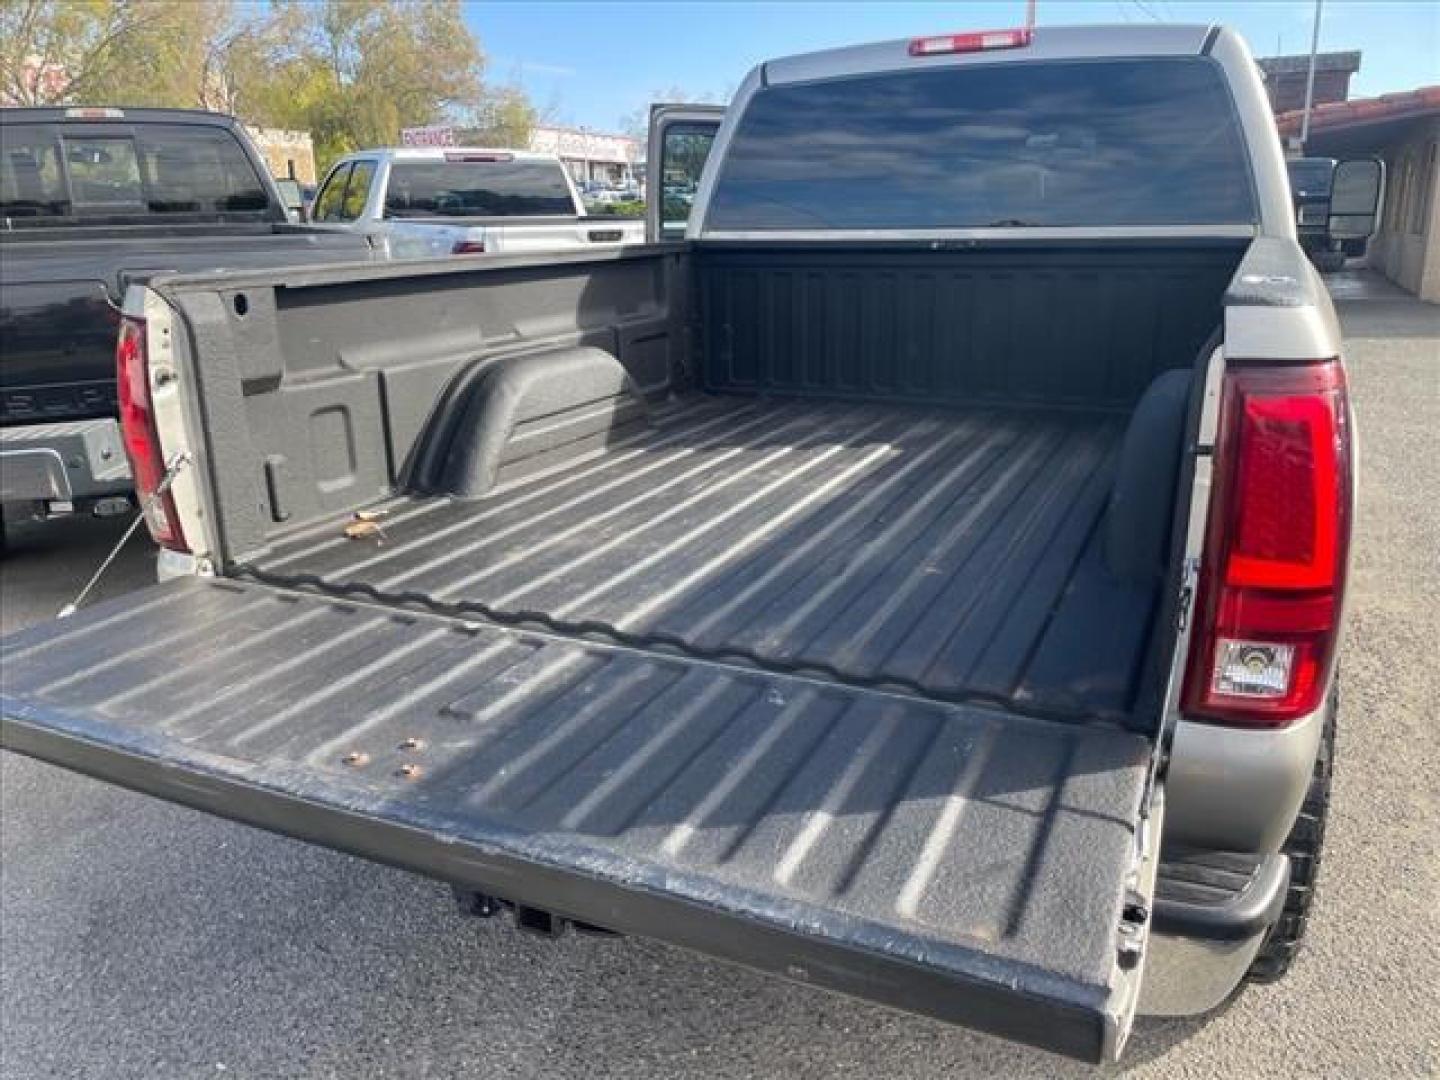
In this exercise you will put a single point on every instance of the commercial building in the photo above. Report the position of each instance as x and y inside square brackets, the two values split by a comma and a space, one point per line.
[1285, 78]
[287, 153]
[589, 155]
[1403, 130]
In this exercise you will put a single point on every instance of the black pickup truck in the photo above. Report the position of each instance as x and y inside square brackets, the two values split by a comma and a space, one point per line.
[92, 201]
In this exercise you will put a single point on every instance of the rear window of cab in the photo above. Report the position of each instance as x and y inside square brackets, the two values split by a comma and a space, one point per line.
[500, 188]
[50, 171]
[1145, 142]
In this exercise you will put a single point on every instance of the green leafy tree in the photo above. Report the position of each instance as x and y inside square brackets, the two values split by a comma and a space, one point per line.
[351, 72]
[505, 117]
[102, 52]
[367, 68]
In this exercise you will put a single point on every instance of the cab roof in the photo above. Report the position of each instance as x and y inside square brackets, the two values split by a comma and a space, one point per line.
[1046, 43]
[94, 114]
[443, 153]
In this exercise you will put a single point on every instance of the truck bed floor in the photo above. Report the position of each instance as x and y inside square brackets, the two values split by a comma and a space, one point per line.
[951, 553]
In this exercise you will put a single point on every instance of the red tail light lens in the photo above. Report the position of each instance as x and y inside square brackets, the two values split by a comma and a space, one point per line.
[468, 247]
[1273, 573]
[142, 440]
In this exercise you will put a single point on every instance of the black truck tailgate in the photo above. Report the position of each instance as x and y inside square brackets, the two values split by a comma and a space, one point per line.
[948, 859]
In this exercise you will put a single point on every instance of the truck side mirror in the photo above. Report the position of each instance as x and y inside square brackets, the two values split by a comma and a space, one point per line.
[1356, 197]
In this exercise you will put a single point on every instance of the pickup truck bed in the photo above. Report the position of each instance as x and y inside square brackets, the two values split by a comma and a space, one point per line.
[824, 666]
[806, 648]
[952, 553]
[938, 857]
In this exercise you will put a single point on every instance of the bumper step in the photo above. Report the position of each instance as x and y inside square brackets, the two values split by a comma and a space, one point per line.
[1220, 895]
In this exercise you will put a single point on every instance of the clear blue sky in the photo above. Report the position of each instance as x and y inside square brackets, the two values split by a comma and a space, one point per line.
[597, 62]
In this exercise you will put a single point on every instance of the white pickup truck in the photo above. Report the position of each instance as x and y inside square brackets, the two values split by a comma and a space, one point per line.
[419, 202]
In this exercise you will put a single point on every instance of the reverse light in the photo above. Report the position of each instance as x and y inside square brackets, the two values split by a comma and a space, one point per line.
[1254, 669]
[1273, 572]
[141, 438]
[978, 41]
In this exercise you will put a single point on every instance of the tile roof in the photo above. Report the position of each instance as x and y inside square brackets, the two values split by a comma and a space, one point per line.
[1338, 114]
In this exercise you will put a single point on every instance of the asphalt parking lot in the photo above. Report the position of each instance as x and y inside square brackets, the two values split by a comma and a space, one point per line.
[138, 939]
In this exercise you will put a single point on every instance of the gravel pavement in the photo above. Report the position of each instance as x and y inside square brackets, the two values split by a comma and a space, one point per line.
[138, 939]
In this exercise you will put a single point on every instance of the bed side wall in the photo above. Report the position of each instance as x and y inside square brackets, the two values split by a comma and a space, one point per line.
[318, 391]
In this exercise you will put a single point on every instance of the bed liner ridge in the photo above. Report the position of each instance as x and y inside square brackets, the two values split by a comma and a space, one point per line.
[661, 643]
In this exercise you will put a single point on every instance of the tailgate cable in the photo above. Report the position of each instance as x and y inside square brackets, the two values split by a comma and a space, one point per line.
[172, 470]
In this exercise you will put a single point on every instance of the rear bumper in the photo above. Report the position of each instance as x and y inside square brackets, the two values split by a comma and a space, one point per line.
[1238, 789]
[1212, 913]
[65, 462]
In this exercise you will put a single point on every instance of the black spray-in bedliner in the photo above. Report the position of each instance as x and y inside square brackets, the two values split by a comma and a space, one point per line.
[938, 857]
[953, 553]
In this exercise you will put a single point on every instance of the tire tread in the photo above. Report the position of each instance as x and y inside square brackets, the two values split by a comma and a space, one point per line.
[1303, 846]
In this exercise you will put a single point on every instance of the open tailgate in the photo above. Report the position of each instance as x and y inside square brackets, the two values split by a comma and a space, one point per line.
[942, 858]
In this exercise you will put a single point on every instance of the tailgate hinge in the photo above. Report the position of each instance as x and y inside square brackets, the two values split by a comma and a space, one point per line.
[1187, 594]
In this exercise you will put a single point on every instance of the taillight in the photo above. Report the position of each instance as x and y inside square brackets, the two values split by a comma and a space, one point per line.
[1273, 574]
[468, 247]
[142, 440]
[978, 41]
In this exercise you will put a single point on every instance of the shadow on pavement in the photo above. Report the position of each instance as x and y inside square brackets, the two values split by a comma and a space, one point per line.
[1370, 306]
[45, 563]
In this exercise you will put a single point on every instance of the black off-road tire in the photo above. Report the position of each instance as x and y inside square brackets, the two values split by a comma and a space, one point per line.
[1303, 846]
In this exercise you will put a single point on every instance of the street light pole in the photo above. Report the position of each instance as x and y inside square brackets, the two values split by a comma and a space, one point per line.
[1029, 14]
[1310, 78]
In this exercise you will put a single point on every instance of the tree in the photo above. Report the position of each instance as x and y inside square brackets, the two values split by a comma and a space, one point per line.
[110, 52]
[351, 72]
[248, 60]
[505, 117]
[370, 67]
